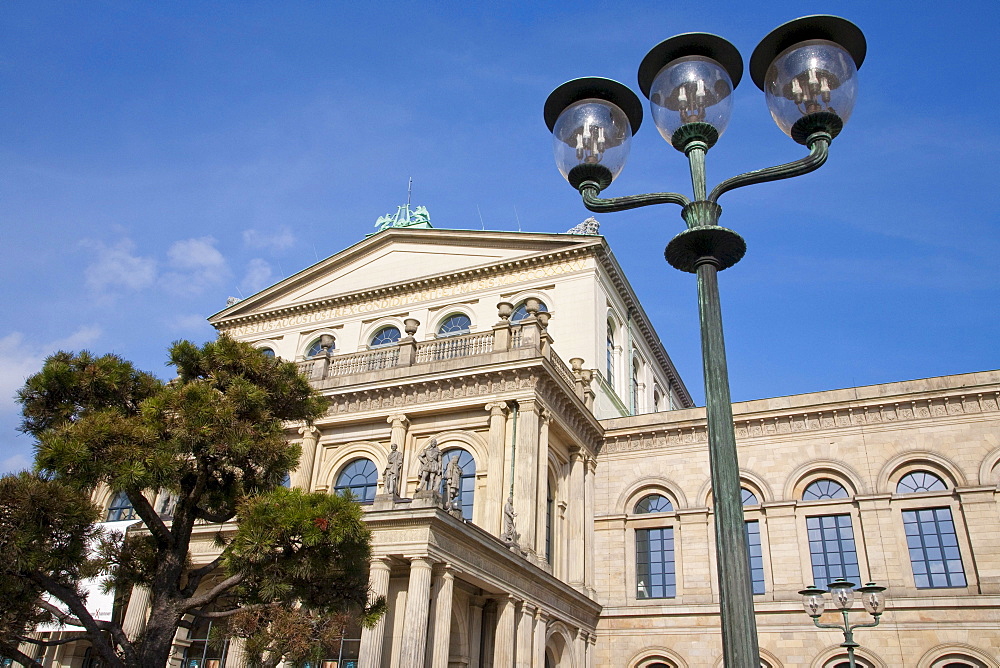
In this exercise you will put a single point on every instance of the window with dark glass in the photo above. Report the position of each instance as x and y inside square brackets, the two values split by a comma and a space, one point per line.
[467, 487]
[121, 508]
[548, 523]
[756, 556]
[386, 336]
[205, 650]
[832, 549]
[521, 312]
[610, 353]
[454, 325]
[267, 352]
[654, 563]
[635, 386]
[824, 489]
[933, 546]
[920, 481]
[316, 348]
[749, 498]
[360, 479]
[653, 503]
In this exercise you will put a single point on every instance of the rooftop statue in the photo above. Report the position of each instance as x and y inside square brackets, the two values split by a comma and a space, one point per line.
[404, 217]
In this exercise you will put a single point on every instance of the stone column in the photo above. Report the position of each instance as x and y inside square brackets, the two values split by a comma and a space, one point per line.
[415, 620]
[982, 515]
[136, 612]
[576, 500]
[543, 485]
[397, 435]
[787, 548]
[302, 477]
[503, 642]
[590, 470]
[372, 639]
[236, 653]
[525, 635]
[475, 630]
[442, 619]
[888, 559]
[538, 647]
[580, 647]
[526, 473]
[492, 514]
[692, 539]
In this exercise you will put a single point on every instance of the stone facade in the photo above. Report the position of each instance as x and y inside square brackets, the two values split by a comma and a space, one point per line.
[575, 413]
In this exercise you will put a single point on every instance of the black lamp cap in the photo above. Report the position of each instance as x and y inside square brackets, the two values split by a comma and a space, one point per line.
[690, 44]
[820, 26]
[609, 90]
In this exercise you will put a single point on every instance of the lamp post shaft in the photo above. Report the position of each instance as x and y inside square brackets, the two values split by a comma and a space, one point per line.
[739, 631]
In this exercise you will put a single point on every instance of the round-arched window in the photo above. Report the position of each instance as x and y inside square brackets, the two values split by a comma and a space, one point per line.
[467, 480]
[267, 352]
[653, 503]
[749, 498]
[521, 312]
[455, 324]
[920, 481]
[121, 508]
[359, 478]
[824, 489]
[386, 336]
[316, 348]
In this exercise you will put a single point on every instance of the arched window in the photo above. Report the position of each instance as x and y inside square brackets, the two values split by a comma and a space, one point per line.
[521, 312]
[359, 478]
[316, 348]
[824, 489]
[636, 373]
[749, 498]
[386, 336]
[454, 325]
[920, 481]
[467, 487]
[267, 352]
[121, 508]
[610, 353]
[657, 397]
[653, 503]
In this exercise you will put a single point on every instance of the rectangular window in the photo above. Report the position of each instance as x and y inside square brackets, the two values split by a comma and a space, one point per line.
[654, 563]
[756, 556]
[832, 549]
[930, 536]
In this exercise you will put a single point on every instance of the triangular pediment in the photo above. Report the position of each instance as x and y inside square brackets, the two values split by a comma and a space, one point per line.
[401, 256]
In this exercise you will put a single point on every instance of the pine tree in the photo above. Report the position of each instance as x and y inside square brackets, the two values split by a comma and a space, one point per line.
[292, 566]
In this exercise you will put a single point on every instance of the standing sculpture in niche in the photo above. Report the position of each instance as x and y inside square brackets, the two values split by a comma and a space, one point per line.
[393, 470]
[430, 468]
[510, 534]
[453, 481]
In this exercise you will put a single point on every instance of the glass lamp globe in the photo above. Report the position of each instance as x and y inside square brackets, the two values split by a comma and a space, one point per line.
[691, 89]
[873, 598]
[842, 593]
[591, 131]
[816, 76]
[813, 601]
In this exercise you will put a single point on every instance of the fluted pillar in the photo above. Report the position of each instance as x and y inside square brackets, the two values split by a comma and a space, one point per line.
[577, 496]
[136, 612]
[538, 645]
[491, 515]
[475, 629]
[590, 470]
[580, 647]
[442, 619]
[525, 635]
[236, 653]
[503, 640]
[372, 639]
[543, 485]
[302, 477]
[526, 473]
[418, 593]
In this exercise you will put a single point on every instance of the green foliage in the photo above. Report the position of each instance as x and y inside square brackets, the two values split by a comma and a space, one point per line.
[214, 437]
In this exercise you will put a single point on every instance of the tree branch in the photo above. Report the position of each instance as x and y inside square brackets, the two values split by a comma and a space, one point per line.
[87, 621]
[144, 509]
[219, 614]
[22, 658]
[52, 643]
[195, 576]
[211, 594]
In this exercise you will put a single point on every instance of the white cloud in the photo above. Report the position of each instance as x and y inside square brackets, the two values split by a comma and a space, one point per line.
[258, 276]
[117, 267]
[278, 239]
[19, 358]
[198, 264]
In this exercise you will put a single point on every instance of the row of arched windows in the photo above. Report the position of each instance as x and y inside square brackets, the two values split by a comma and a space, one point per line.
[929, 529]
[453, 324]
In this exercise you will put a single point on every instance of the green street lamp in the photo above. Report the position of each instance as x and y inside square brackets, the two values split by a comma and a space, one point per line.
[807, 69]
[842, 595]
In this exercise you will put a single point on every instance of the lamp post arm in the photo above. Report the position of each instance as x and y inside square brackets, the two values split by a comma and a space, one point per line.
[869, 625]
[819, 146]
[599, 205]
[826, 626]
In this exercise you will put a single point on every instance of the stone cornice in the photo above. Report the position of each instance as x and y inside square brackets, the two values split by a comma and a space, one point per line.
[675, 428]
[480, 274]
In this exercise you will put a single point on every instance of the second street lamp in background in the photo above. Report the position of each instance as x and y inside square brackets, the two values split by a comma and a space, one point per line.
[807, 69]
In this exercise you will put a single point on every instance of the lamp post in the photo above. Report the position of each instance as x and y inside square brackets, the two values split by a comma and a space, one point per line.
[807, 69]
[842, 594]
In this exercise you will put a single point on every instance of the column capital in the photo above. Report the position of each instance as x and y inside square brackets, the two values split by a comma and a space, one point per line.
[497, 408]
[309, 430]
[380, 562]
[540, 615]
[576, 454]
[420, 560]
[398, 420]
[528, 609]
[529, 404]
[591, 464]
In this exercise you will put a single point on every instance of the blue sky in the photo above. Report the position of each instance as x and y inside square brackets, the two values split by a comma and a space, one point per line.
[156, 158]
